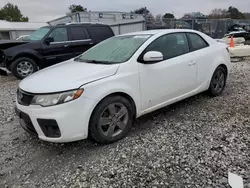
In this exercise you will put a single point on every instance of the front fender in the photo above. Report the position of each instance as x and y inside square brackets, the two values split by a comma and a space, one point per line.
[11, 56]
[127, 84]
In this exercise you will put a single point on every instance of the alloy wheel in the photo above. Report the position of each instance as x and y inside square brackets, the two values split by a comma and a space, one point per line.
[114, 120]
[218, 82]
[25, 68]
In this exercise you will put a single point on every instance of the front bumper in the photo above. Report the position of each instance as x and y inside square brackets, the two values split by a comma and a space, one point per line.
[72, 119]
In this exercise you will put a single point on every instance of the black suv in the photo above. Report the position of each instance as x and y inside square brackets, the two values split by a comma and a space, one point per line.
[50, 45]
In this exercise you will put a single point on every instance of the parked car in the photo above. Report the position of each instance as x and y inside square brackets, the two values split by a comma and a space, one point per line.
[23, 38]
[50, 45]
[239, 30]
[99, 93]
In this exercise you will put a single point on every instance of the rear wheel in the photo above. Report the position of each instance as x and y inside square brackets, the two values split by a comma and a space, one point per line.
[218, 82]
[23, 67]
[111, 120]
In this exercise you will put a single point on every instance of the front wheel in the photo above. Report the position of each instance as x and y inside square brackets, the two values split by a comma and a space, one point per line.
[23, 67]
[218, 82]
[111, 120]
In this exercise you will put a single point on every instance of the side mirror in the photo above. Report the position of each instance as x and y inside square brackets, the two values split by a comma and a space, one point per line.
[48, 40]
[153, 56]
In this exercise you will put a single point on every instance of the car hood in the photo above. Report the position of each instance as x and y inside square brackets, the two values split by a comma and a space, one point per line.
[66, 76]
[5, 44]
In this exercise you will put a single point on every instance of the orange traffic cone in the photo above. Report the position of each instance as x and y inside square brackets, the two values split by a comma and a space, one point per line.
[232, 42]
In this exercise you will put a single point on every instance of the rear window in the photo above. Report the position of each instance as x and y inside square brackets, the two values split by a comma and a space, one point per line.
[79, 33]
[100, 33]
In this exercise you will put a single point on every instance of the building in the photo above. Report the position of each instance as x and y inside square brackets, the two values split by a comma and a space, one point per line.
[120, 22]
[12, 30]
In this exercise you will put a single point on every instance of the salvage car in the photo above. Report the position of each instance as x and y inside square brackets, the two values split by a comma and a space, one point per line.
[99, 93]
[50, 45]
[239, 31]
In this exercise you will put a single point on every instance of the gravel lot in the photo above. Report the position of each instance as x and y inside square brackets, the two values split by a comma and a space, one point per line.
[193, 143]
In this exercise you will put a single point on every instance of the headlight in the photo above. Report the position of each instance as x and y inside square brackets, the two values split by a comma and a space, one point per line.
[55, 99]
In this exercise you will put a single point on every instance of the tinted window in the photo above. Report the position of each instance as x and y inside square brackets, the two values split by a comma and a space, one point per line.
[101, 33]
[171, 45]
[59, 34]
[196, 41]
[79, 33]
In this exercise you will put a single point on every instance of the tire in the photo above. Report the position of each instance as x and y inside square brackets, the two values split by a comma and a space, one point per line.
[218, 82]
[103, 122]
[23, 67]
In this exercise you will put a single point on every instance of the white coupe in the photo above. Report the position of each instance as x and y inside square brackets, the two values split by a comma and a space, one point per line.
[99, 93]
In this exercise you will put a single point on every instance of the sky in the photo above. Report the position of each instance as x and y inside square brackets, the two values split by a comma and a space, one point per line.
[46, 10]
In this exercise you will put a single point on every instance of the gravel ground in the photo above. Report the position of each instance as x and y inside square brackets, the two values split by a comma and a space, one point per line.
[193, 143]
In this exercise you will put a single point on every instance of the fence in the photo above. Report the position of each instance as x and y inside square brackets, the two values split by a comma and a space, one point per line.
[215, 28]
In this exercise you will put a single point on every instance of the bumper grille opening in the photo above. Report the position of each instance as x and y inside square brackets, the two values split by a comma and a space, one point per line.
[49, 127]
[26, 122]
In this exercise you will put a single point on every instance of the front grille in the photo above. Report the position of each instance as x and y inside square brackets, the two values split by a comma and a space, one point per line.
[24, 98]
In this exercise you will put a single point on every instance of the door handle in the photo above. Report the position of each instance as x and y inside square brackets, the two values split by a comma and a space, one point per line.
[66, 45]
[192, 63]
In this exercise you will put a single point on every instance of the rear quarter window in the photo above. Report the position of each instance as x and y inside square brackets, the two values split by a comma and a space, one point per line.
[100, 33]
[196, 42]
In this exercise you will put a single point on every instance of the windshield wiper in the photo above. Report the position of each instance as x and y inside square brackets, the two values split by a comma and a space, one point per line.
[94, 61]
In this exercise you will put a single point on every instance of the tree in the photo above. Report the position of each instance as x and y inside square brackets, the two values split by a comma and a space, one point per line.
[77, 8]
[12, 13]
[234, 13]
[168, 16]
[218, 13]
[148, 15]
[142, 10]
[168, 19]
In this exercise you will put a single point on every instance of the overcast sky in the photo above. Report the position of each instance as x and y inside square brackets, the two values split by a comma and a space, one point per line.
[45, 10]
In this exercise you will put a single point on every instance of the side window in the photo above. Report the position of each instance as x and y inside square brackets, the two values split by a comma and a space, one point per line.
[79, 33]
[101, 33]
[59, 34]
[196, 42]
[171, 45]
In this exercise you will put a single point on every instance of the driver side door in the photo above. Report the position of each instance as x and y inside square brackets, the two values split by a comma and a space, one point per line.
[59, 50]
[166, 81]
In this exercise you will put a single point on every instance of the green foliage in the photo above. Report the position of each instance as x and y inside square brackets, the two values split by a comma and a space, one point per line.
[142, 10]
[234, 13]
[12, 13]
[168, 15]
[77, 8]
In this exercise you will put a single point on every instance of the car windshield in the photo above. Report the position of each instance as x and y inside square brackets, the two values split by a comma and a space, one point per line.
[114, 50]
[39, 34]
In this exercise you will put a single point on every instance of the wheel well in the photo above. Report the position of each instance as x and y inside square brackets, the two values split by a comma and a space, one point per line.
[126, 96]
[33, 57]
[225, 68]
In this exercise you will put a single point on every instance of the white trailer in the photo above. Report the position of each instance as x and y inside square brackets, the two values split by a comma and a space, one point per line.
[120, 22]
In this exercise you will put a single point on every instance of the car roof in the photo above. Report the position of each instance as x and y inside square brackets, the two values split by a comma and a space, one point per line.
[75, 24]
[160, 31]
[80, 24]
